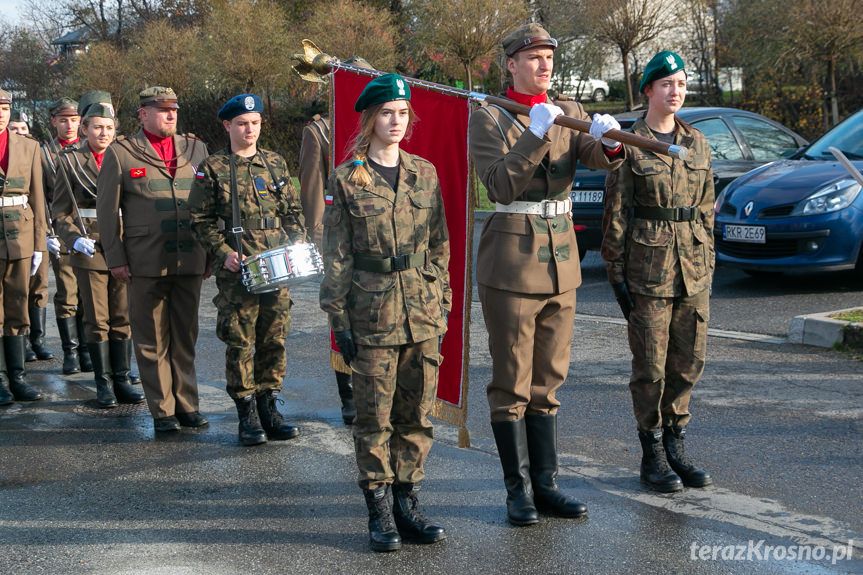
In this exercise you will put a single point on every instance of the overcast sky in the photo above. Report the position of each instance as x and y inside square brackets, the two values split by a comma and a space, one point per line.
[11, 10]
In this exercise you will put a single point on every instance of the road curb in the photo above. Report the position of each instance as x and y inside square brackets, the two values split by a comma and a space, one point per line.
[819, 329]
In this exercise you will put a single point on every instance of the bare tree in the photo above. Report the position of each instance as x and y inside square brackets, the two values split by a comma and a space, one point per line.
[466, 30]
[699, 19]
[627, 25]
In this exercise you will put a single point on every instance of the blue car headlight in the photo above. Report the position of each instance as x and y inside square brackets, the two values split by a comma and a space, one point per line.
[828, 199]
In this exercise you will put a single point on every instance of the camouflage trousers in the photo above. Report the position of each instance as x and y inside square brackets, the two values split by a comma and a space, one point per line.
[668, 339]
[394, 391]
[254, 328]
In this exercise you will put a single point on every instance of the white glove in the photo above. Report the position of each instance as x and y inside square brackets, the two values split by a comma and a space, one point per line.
[54, 246]
[35, 263]
[601, 124]
[542, 117]
[85, 246]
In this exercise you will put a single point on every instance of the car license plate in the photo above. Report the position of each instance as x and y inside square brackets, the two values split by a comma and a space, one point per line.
[587, 196]
[749, 234]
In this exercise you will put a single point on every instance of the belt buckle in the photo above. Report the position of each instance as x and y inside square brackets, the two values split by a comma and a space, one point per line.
[269, 223]
[546, 212]
[237, 230]
[399, 263]
[685, 213]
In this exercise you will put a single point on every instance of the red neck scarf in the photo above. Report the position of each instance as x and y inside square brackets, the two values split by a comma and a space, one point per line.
[98, 158]
[526, 99]
[4, 151]
[64, 143]
[165, 148]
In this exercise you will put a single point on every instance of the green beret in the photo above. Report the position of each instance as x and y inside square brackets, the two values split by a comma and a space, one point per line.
[99, 110]
[158, 96]
[92, 97]
[19, 116]
[528, 36]
[382, 89]
[663, 64]
[5, 97]
[63, 107]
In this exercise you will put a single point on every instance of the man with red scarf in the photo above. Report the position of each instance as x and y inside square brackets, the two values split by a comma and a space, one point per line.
[146, 179]
[528, 267]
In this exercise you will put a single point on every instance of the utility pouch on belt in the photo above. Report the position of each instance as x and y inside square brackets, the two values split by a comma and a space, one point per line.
[386, 264]
[685, 214]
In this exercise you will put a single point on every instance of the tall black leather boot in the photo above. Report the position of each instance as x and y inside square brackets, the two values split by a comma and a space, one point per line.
[38, 317]
[542, 449]
[655, 472]
[271, 420]
[119, 349]
[18, 385]
[692, 476]
[411, 524]
[69, 340]
[383, 535]
[83, 349]
[250, 430]
[511, 439]
[100, 352]
[6, 397]
[346, 394]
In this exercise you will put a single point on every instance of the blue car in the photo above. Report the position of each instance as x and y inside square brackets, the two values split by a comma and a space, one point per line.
[802, 214]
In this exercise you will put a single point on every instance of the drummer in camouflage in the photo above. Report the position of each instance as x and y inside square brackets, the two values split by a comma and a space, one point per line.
[270, 216]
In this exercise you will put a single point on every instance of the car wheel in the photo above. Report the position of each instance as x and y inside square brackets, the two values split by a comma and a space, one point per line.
[598, 95]
[762, 273]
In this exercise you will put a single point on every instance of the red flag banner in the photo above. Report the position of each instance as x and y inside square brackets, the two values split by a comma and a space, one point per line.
[440, 136]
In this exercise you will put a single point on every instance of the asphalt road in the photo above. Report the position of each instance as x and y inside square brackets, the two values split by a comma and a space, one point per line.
[91, 491]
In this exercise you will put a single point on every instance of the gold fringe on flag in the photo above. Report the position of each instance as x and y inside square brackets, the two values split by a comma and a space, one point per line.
[337, 362]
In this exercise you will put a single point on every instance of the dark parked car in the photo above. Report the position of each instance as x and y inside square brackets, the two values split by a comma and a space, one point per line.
[803, 214]
[739, 141]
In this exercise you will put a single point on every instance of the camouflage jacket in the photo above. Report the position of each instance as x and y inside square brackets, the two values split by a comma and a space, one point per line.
[526, 253]
[396, 307]
[661, 258]
[271, 214]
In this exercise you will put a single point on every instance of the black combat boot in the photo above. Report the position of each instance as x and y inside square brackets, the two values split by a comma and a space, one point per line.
[511, 439]
[6, 397]
[250, 430]
[346, 393]
[542, 449]
[271, 419]
[692, 476]
[135, 378]
[38, 316]
[411, 524]
[69, 340]
[383, 535]
[100, 352]
[119, 349]
[655, 472]
[83, 349]
[18, 385]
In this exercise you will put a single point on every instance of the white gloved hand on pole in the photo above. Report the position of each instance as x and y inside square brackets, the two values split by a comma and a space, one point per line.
[53, 246]
[542, 117]
[85, 246]
[601, 124]
[35, 263]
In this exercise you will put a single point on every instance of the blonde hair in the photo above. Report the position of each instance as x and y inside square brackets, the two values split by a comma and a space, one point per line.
[360, 174]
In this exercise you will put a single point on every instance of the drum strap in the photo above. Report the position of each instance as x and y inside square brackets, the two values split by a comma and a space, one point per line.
[237, 228]
[280, 184]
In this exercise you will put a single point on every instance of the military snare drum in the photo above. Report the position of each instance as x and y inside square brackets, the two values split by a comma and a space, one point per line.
[282, 267]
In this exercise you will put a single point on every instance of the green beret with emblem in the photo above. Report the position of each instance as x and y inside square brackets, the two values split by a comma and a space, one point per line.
[100, 110]
[159, 97]
[93, 97]
[19, 116]
[663, 64]
[382, 89]
[5, 97]
[528, 36]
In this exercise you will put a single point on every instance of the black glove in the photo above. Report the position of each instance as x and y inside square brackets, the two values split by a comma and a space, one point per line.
[624, 298]
[345, 341]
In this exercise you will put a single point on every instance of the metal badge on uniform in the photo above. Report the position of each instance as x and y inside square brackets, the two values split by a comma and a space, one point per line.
[261, 187]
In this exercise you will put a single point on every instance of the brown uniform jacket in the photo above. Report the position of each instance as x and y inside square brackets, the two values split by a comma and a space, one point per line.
[49, 176]
[661, 258]
[313, 171]
[24, 227]
[155, 237]
[526, 253]
[82, 176]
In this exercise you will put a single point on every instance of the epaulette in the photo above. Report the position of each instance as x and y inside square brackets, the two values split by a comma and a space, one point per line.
[191, 136]
[316, 117]
[120, 138]
[564, 98]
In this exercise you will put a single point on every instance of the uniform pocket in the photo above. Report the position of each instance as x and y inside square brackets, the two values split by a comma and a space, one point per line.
[421, 202]
[136, 231]
[699, 342]
[649, 254]
[371, 303]
[371, 222]
[431, 368]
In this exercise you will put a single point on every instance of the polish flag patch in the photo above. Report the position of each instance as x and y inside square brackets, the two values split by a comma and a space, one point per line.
[199, 175]
[137, 172]
[328, 200]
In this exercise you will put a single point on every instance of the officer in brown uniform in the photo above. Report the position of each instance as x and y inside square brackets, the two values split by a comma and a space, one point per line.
[22, 243]
[528, 268]
[314, 170]
[65, 119]
[148, 176]
[658, 246]
[103, 298]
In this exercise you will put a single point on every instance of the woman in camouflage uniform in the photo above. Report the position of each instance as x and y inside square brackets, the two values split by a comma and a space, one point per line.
[658, 246]
[386, 290]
